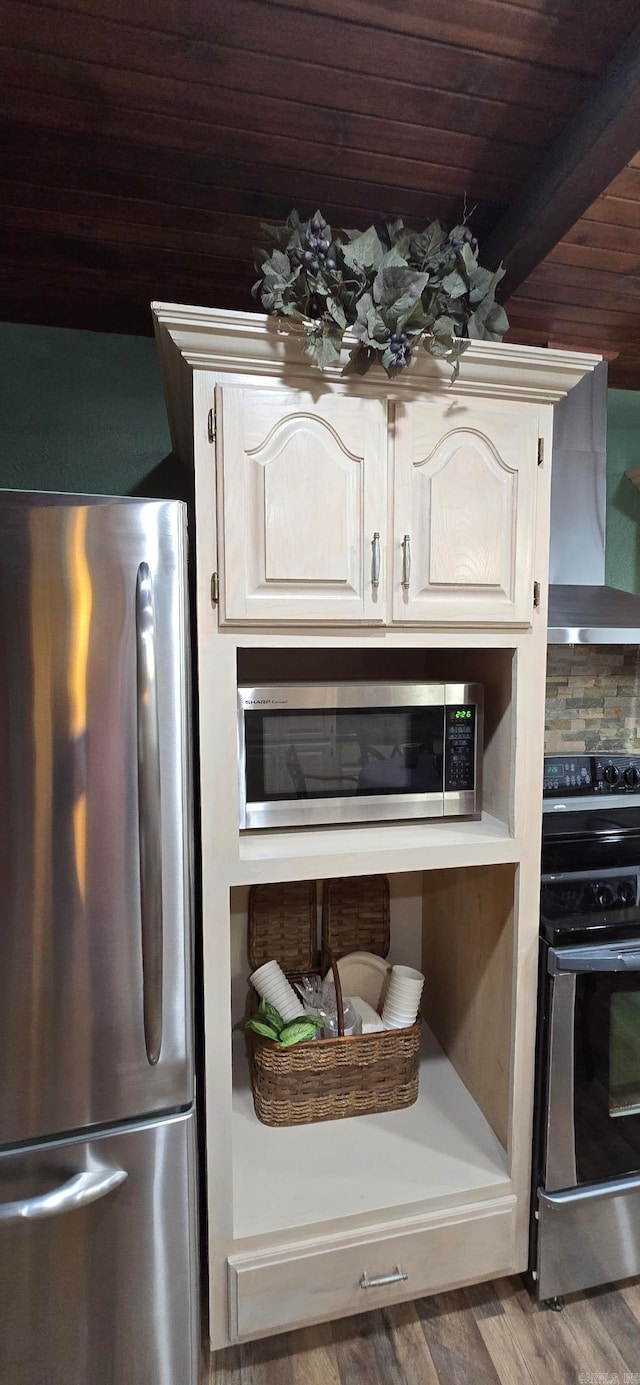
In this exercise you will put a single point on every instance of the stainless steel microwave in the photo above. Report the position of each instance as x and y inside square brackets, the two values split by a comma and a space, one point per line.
[320, 753]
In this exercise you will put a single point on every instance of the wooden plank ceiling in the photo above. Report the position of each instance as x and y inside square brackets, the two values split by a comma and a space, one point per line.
[143, 143]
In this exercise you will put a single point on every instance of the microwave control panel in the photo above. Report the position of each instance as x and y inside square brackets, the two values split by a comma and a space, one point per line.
[460, 748]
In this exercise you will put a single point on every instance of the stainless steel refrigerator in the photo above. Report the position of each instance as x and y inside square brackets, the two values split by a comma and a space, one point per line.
[98, 1253]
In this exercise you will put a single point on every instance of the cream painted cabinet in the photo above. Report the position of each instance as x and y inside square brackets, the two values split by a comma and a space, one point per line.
[302, 505]
[464, 512]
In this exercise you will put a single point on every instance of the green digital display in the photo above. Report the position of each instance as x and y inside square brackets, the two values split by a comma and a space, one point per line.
[463, 713]
[554, 769]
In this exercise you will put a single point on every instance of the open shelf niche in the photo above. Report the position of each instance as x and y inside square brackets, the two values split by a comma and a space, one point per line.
[451, 1147]
[496, 669]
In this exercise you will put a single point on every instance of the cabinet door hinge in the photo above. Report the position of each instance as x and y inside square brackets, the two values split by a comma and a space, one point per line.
[215, 589]
[211, 425]
[540, 451]
[536, 594]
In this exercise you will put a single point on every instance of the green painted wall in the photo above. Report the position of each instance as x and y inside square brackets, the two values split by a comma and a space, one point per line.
[623, 499]
[83, 411]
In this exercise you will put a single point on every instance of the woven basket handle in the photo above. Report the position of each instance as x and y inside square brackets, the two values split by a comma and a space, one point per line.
[339, 1002]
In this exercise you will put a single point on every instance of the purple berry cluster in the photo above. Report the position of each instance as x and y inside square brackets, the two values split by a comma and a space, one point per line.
[467, 238]
[400, 348]
[316, 245]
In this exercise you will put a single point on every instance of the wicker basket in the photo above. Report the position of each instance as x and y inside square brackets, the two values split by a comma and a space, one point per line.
[327, 1079]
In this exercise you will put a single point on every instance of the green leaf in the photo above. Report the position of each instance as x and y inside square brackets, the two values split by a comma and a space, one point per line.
[468, 257]
[415, 319]
[272, 1016]
[483, 283]
[489, 322]
[398, 288]
[393, 259]
[365, 252]
[280, 234]
[267, 298]
[395, 229]
[324, 344]
[337, 311]
[427, 242]
[377, 328]
[454, 284]
[369, 325]
[299, 1031]
[280, 264]
[261, 1027]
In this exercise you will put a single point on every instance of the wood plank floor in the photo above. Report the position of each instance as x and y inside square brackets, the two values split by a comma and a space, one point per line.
[490, 1334]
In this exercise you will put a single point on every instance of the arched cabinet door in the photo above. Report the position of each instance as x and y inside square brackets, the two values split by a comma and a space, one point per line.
[465, 495]
[302, 493]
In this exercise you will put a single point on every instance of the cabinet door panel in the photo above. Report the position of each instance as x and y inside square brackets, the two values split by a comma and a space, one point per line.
[303, 482]
[465, 482]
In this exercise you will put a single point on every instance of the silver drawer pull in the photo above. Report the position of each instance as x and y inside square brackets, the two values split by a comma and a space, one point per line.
[375, 566]
[379, 1279]
[406, 562]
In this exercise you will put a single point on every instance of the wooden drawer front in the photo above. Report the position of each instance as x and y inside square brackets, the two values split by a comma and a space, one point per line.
[269, 1291]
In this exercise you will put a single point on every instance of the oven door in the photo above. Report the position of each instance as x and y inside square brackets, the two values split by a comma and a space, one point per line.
[593, 1107]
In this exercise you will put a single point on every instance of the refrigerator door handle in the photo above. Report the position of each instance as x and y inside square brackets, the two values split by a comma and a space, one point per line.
[78, 1191]
[149, 814]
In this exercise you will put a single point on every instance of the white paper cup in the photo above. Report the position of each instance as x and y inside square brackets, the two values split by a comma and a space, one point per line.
[398, 986]
[407, 1004]
[271, 983]
[398, 1021]
[402, 1002]
[399, 973]
[397, 1010]
[404, 990]
[272, 969]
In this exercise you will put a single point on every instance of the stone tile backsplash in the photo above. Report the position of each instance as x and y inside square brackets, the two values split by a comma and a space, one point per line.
[593, 698]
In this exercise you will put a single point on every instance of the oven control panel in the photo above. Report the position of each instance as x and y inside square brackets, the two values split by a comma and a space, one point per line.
[617, 773]
[566, 775]
[574, 896]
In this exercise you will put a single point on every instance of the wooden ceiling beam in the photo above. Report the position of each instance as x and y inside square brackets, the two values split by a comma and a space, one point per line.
[591, 150]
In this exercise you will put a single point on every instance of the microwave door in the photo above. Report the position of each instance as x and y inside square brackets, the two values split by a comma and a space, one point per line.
[346, 763]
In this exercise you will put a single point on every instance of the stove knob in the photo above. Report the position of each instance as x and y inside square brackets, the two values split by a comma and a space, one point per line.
[610, 774]
[626, 895]
[632, 777]
[603, 896]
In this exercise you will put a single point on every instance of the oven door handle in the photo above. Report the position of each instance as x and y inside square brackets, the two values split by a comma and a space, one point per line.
[575, 960]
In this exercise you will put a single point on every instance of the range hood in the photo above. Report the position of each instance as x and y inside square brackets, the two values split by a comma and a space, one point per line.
[582, 609]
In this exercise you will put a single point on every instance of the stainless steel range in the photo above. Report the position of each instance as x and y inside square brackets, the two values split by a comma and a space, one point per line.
[586, 1194]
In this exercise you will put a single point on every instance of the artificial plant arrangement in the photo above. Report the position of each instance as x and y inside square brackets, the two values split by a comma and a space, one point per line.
[393, 286]
[269, 1024]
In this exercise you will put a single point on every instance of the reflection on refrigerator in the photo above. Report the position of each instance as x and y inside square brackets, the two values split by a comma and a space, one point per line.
[98, 1244]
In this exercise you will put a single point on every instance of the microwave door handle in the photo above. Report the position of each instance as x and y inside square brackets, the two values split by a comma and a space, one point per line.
[149, 814]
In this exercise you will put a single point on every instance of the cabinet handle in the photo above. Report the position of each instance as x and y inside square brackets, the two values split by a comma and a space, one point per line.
[379, 1279]
[375, 566]
[406, 562]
